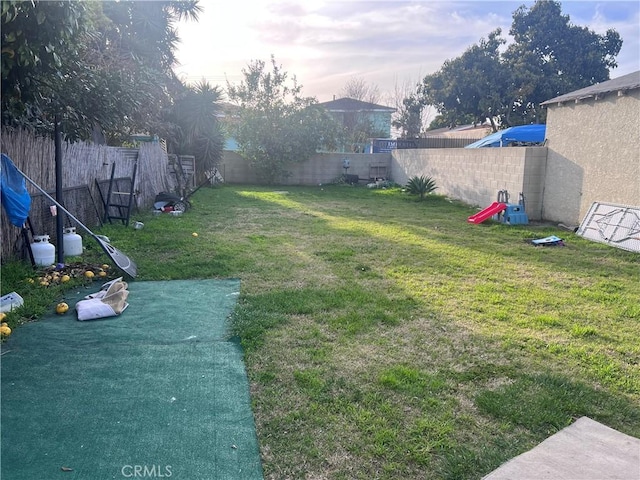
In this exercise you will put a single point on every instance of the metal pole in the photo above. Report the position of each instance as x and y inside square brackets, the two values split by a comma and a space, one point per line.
[59, 216]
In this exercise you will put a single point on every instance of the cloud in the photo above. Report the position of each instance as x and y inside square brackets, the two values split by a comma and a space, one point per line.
[624, 18]
[324, 43]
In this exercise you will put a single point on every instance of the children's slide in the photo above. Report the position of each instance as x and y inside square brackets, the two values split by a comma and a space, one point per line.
[490, 211]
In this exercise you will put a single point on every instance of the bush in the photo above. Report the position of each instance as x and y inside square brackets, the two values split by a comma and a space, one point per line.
[421, 186]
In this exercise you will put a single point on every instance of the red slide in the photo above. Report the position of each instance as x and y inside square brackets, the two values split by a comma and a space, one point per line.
[490, 211]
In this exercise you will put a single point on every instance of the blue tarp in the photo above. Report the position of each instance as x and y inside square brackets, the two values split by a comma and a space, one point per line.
[15, 198]
[504, 138]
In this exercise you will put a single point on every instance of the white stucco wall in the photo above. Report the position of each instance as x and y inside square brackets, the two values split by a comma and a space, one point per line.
[594, 155]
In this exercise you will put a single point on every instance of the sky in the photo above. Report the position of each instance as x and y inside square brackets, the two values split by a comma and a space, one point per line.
[391, 45]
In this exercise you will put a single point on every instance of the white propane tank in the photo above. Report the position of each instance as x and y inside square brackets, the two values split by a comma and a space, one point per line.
[44, 254]
[72, 242]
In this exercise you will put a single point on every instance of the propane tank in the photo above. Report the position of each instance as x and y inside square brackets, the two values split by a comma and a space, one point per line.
[71, 242]
[44, 254]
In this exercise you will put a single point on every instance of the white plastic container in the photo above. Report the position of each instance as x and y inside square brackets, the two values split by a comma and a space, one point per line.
[44, 254]
[72, 242]
[10, 301]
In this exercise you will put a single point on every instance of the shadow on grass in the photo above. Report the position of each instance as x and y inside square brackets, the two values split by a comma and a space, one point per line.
[342, 308]
[546, 403]
[540, 405]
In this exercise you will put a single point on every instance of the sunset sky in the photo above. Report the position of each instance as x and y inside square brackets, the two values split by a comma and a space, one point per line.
[385, 43]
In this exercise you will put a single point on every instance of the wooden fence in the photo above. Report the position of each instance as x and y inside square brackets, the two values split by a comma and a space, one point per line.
[83, 165]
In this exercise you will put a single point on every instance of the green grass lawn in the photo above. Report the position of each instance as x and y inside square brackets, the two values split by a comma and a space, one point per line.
[388, 338]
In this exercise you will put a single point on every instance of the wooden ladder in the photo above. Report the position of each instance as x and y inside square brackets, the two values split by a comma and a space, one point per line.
[118, 203]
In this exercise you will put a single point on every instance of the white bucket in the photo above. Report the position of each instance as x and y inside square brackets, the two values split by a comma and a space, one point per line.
[44, 254]
[72, 242]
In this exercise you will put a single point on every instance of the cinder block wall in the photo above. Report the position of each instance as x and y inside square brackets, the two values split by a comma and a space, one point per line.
[475, 176]
[321, 168]
[236, 169]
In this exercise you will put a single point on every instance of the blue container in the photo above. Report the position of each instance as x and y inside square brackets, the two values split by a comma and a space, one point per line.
[514, 215]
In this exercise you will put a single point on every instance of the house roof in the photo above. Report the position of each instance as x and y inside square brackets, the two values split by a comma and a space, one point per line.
[462, 131]
[619, 85]
[353, 105]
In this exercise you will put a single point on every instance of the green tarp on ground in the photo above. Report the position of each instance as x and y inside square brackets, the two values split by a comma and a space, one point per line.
[158, 392]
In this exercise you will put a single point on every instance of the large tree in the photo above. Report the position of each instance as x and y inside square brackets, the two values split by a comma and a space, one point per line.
[470, 88]
[276, 126]
[95, 64]
[548, 57]
[38, 39]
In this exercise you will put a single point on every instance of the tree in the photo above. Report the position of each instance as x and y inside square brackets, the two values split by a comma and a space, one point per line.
[147, 30]
[409, 117]
[549, 57]
[104, 64]
[197, 129]
[470, 88]
[37, 38]
[276, 125]
[358, 89]
[359, 128]
[138, 42]
[411, 111]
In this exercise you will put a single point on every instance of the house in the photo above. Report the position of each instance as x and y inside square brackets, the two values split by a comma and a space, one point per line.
[452, 137]
[228, 116]
[362, 121]
[470, 131]
[593, 141]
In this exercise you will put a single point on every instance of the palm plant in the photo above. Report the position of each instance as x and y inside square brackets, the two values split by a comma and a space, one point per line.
[197, 130]
[421, 186]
